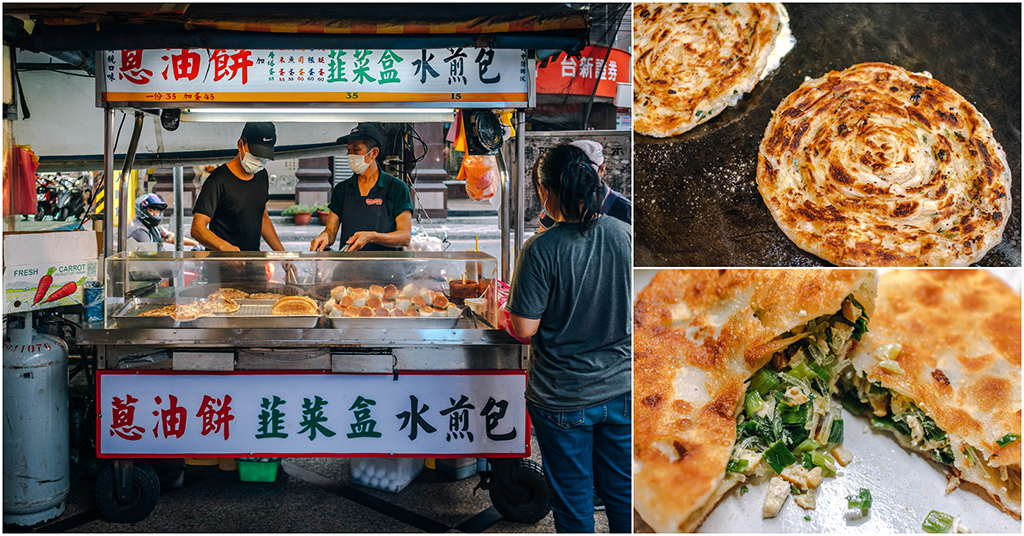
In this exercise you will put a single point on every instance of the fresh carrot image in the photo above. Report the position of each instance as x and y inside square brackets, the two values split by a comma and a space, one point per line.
[44, 285]
[67, 290]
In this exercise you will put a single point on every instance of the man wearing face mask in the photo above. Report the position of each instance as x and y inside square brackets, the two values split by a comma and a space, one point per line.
[231, 212]
[373, 208]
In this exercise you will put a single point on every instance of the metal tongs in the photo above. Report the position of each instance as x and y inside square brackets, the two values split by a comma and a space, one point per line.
[472, 315]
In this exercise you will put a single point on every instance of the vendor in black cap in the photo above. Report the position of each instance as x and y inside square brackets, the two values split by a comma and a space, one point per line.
[374, 209]
[231, 212]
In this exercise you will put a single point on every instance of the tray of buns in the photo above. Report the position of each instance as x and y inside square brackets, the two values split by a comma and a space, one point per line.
[378, 306]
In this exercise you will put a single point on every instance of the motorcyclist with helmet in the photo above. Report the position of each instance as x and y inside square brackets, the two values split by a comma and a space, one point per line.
[146, 228]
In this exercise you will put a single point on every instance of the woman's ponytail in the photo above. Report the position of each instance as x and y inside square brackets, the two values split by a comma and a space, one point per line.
[570, 175]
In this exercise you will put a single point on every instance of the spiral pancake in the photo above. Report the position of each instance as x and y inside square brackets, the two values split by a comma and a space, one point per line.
[877, 166]
[694, 60]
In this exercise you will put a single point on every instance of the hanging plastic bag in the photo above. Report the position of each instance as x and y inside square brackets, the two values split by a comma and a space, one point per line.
[20, 181]
[501, 289]
[481, 176]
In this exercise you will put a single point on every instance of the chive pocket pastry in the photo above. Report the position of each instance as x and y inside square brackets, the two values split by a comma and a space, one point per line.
[940, 370]
[733, 375]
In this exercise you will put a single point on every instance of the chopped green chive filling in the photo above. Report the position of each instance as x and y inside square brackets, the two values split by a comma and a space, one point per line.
[1007, 439]
[861, 500]
[937, 522]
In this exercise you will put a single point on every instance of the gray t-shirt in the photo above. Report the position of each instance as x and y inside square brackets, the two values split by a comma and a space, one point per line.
[579, 288]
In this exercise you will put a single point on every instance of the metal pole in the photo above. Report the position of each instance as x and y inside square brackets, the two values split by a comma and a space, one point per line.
[179, 210]
[505, 220]
[129, 160]
[520, 178]
[108, 182]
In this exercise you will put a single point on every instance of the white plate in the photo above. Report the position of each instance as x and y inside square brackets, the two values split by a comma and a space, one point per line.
[904, 485]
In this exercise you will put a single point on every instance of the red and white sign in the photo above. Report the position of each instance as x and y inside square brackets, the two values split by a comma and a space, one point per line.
[174, 414]
[577, 76]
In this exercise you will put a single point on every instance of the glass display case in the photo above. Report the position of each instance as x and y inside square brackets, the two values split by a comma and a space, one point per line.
[327, 290]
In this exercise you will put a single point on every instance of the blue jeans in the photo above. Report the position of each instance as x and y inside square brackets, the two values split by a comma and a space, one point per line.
[586, 451]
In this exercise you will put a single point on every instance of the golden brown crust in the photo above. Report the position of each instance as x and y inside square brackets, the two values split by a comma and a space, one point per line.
[692, 60]
[266, 296]
[698, 337]
[232, 293]
[218, 304]
[295, 306]
[961, 349]
[877, 166]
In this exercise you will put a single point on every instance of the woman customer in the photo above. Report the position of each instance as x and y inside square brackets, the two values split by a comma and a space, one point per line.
[571, 293]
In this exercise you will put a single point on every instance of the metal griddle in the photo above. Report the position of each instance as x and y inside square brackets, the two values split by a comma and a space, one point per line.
[697, 202]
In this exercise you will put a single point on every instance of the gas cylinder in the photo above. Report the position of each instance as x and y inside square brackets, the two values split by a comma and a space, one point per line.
[37, 472]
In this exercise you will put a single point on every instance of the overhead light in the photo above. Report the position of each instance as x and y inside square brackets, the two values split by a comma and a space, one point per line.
[318, 115]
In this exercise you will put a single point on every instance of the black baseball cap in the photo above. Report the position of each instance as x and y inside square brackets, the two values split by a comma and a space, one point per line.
[261, 138]
[364, 131]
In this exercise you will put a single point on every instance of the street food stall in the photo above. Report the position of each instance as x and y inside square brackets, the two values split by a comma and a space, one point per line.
[332, 354]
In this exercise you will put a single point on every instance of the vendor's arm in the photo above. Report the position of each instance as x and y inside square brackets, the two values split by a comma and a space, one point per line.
[201, 232]
[399, 238]
[329, 234]
[525, 327]
[269, 233]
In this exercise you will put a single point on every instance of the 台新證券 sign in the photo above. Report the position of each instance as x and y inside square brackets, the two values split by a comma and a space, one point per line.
[184, 77]
[240, 414]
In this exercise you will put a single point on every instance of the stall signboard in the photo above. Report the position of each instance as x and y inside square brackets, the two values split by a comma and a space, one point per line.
[47, 269]
[174, 414]
[568, 75]
[183, 78]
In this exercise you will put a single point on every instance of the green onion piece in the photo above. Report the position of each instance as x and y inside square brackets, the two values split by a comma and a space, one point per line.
[807, 460]
[877, 389]
[764, 380]
[794, 414]
[937, 522]
[736, 466]
[835, 435]
[861, 500]
[779, 457]
[744, 489]
[826, 463]
[1007, 439]
[801, 372]
[945, 455]
[753, 402]
[881, 422]
[819, 370]
[861, 328]
[805, 446]
[795, 490]
[807, 518]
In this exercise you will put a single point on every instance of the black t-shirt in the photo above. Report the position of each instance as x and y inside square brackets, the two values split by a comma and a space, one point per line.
[235, 206]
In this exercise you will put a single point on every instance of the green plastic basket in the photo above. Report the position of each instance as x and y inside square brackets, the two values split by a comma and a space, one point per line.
[254, 471]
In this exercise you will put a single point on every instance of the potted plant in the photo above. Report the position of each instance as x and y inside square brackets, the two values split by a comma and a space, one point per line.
[322, 212]
[300, 213]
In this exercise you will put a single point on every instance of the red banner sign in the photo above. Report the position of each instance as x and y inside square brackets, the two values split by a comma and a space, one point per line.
[577, 76]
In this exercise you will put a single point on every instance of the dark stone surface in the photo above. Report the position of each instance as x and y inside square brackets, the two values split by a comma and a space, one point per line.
[697, 202]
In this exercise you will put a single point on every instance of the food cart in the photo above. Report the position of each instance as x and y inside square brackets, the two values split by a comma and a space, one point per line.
[182, 375]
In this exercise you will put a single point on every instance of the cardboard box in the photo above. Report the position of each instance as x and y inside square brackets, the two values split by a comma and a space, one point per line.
[69, 258]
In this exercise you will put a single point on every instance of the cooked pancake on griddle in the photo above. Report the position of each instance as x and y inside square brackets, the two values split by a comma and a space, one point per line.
[295, 306]
[699, 337]
[878, 166]
[218, 303]
[940, 369]
[232, 293]
[691, 61]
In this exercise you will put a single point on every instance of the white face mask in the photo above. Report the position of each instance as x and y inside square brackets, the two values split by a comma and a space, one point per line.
[357, 163]
[252, 163]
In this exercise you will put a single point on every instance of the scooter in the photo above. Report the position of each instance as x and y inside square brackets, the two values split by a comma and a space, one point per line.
[70, 201]
[46, 199]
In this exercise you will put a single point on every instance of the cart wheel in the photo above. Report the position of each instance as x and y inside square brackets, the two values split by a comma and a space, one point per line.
[145, 493]
[529, 503]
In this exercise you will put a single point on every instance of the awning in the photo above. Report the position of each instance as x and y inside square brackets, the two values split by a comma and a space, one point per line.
[86, 27]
